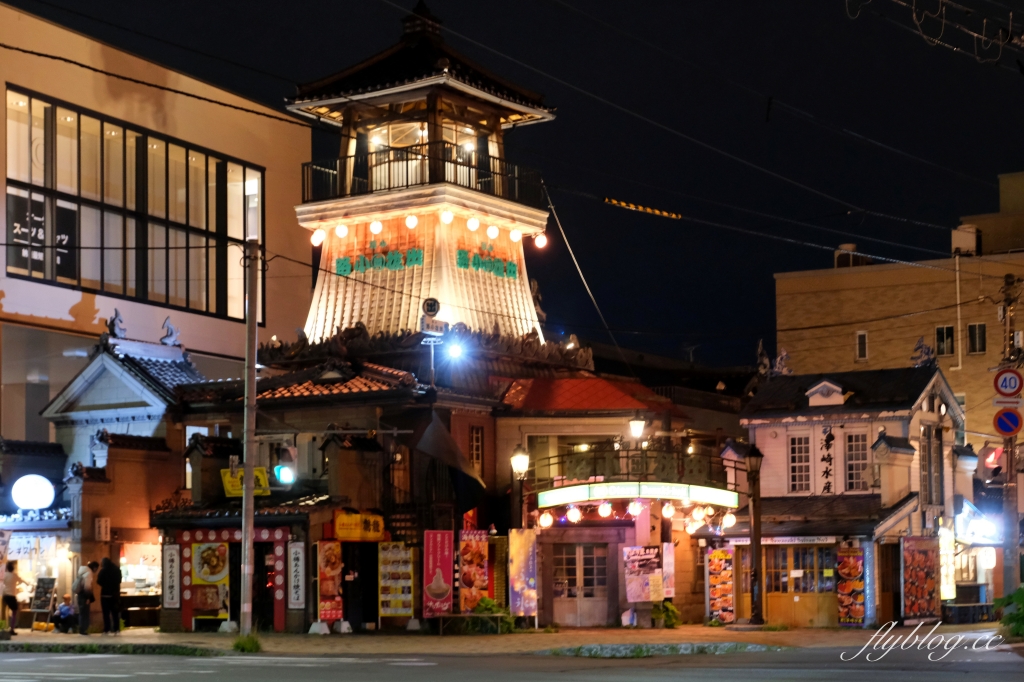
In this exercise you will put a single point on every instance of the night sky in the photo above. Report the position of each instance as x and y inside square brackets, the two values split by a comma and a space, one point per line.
[702, 69]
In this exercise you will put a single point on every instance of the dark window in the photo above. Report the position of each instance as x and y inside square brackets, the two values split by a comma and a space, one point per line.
[98, 206]
[931, 465]
[862, 345]
[476, 448]
[944, 341]
[976, 338]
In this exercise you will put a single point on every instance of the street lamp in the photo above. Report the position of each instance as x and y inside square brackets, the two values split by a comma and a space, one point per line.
[636, 425]
[520, 461]
[753, 459]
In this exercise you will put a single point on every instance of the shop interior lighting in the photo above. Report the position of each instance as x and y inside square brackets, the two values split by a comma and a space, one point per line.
[473, 224]
[317, 238]
[492, 232]
[447, 217]
[341, 231]
[604, 509]
[574, 515]
[376, 226]
[540, 241]
[545, 520]
[411, 221]
[515, 235]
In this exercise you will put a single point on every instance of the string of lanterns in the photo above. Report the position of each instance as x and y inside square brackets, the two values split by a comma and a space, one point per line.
[412, 221]
[715, 519]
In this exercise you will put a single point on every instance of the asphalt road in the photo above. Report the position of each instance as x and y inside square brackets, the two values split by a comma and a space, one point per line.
[801, 664]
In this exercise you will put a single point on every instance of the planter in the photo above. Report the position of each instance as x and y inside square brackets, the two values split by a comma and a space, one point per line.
[659, 623]
[5, 635]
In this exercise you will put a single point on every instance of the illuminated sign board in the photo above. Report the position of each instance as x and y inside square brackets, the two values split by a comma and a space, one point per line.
[627, 490]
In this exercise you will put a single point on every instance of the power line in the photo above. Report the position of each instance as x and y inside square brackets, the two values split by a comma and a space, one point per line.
[773, 101]
[678, 133]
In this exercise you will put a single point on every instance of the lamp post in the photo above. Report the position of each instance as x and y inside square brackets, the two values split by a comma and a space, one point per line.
[520, 461]
[753, 460]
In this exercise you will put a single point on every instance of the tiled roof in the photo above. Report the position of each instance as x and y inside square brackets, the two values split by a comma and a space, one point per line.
[167, 374]
[872, 390]
[31, 448]
[581, 394]
[215, 446]
[421, 54]
[127, 442]
[309, 389]
[232, 509]
[895, 443]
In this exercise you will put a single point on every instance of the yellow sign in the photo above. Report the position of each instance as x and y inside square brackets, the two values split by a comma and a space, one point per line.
[947, 562]
[233, 484]
[358, 527]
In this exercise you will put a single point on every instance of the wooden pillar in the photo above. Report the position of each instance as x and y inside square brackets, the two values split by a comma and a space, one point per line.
[435, 138]
[345, 151]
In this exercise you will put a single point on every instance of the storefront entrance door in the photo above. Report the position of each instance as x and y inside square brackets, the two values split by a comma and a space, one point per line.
[580, 587]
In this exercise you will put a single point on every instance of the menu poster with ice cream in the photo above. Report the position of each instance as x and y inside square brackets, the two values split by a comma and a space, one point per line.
[522, 571]
[438, 562]
[721, 604]
[395, 583]
[472, 568]
[851, 586]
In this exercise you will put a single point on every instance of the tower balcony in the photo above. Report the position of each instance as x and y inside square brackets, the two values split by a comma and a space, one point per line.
[394, 168]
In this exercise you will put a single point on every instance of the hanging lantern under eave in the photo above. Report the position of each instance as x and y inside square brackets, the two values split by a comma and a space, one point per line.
[669, 510]
[546, 519]
[411, 221]
[635, 508]
[574, 515]
[317, 238]
[447, 217]
[729, 520]
[515, 235]
[341, 231]
[473, 224]
[492, 232]
[604, 510]
[540, 241]
[698, 514]
[376, 227]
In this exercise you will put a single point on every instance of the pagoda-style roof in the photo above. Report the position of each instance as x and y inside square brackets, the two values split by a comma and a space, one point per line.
[420, 60]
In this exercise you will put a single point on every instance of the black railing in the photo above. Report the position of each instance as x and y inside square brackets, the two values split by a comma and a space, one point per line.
[423, 164]
[602, 462]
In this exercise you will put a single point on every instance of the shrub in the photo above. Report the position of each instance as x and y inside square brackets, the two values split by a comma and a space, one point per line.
[3, 625]
[1013, 612]
[487, 605]
[715, 623]
[247, 644]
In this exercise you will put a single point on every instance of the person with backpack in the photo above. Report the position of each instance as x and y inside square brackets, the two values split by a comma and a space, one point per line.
[83, 591]
[109, 580]
[10, 600]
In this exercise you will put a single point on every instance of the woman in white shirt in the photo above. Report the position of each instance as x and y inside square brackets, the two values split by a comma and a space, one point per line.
[11, 580]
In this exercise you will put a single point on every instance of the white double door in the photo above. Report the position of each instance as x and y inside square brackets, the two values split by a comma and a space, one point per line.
[580, 586]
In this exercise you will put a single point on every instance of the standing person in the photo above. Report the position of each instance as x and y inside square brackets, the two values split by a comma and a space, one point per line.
[109, 579]
[10, 600]
[64, 615]
[83, 590]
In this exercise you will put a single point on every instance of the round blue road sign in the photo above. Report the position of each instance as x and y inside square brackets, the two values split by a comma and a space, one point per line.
[1007, 422]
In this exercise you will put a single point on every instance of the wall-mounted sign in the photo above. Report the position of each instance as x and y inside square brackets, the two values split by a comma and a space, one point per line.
[626, 490]
[172, 577]
[296, 575]
[973, 528]
[233, 483]
[101, 528]
[790, 540]
[643, 573]
[358, 527]
[393, 259]
[498, 267]
[851, 586]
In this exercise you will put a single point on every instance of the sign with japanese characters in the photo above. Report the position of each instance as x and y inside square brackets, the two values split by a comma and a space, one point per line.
[827, 459]
[358, 527]
[643, 573]
[210, 579]
[329, 567]
[394, 587]
[485, 261]
[171, 576]
[381, 257]
[233, 482]
[851, 586]
[475, 578]
[438, 563]
[720, 581]
[296, 575]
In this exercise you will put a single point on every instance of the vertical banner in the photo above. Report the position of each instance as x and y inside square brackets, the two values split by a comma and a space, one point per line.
[329, 606]
[522, 572]
[296, 575]
[721, 605]
[919, 561]
[210, 591]
[947, 561]
[668, 569]
[643, 573]
[438, 567]
[851, 586]
[171, 576]
[394, 584]
[5, 542]
[473, 568]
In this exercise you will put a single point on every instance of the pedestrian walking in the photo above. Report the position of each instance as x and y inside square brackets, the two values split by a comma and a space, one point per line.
[10, 600]
[109, 580]
[83, 591]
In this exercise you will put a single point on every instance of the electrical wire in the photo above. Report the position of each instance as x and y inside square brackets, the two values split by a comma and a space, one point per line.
[796, 112]
[678, 133]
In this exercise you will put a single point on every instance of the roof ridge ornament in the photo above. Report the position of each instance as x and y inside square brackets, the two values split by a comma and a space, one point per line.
[171, 337]
[421, 20]
[115, 326]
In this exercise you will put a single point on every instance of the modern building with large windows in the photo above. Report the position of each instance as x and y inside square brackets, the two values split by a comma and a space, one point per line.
[124, 196]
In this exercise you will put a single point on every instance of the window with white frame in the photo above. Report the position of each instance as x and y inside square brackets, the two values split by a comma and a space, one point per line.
[976, 342]
[856, 461]
[944, 340]
[476, 448]
[799, 464]
[862, 347]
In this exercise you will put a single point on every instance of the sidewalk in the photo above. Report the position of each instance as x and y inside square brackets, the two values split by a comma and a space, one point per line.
[423, 644]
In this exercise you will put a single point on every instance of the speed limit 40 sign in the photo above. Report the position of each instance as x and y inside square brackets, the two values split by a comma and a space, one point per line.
[1008, 382]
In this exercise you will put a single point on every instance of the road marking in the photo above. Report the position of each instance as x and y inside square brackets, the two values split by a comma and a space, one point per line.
[410, 663]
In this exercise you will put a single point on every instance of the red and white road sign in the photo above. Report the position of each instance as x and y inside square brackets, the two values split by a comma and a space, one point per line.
[1008, 382]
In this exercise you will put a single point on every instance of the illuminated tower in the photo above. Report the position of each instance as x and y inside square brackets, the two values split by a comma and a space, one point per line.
[421, 202]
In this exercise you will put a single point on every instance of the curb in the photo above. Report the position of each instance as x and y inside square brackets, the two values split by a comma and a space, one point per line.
[648, 650]
[90, 648]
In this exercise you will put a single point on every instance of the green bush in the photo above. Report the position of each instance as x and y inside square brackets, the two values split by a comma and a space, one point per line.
[247, 644]
[715, 623]
[3, 625]
[1013, 612]
[487, 605]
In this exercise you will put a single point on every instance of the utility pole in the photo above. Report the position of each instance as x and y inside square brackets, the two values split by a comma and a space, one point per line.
[252, 274]
[1011, 521]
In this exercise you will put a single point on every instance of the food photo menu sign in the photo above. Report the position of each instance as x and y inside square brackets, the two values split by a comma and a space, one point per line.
[473, 568]
[851, 586]
[395, 583]
[721, 606]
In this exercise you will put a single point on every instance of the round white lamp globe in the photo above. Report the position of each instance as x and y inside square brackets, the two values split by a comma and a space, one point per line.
[341, 231]
[376, 226]
[473, 224]
[32, 492]
[492, 232]
[447, 217]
